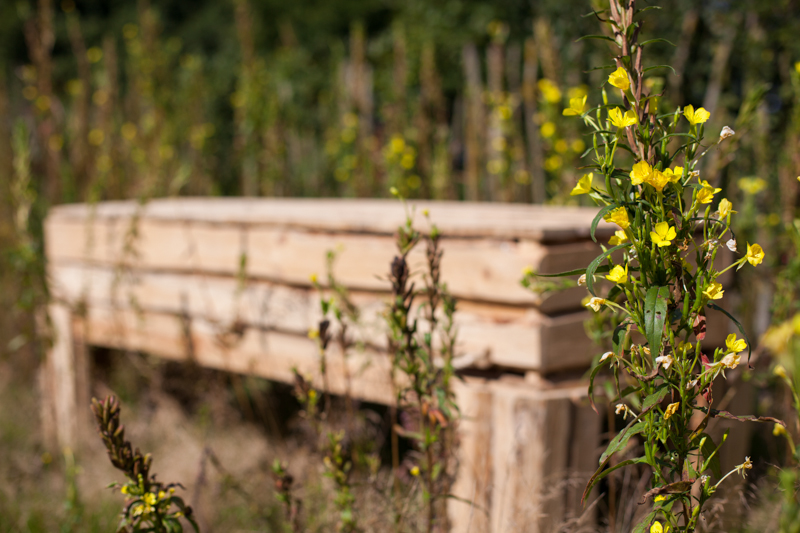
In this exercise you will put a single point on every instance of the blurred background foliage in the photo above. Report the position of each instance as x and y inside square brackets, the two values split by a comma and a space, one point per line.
[454, 99]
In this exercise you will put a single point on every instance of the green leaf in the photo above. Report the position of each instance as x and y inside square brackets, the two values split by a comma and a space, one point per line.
[648, 8]
[595, 371]
[655, 314]
[618, 337]
[709, 454]
[656, 397]
[576, 272]
[594, 266]
[601, 37]
[738, 325]
[644, 525]
[600, 474]
[648, 69]
[600, 215]
[622, 438]
[658, 40]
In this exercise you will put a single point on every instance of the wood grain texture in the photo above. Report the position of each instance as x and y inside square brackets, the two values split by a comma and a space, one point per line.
[489, 334]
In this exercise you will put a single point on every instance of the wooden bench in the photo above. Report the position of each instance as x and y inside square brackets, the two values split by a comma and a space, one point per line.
[225, 283]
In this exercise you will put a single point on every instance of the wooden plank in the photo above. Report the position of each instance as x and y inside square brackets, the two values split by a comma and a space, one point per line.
[268, 354]
[292, 257]
[61, 394]
[462, 219]
[469, 510]
[489, 334]
[530, 456]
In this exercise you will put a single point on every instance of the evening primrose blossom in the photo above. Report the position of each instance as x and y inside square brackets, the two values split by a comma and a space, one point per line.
[725, 208]
[713, 291]
[735, 345]
[640, 173]
[584, 185]
[618, 216]
[619, 79]
[576, 107]
[657, 528]
[754, 254]
[663, 235]
[706, 194]
[658, 180]
[695, 116]
[618, 274]
[619, 237]
[622, 121]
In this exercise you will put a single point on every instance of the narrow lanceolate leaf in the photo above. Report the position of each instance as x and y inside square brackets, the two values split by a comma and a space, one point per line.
[656, 398]
[645, 524]
[600, 474]
[600, 215]
[577, 272]
[601, 37]
[659, 40]
[715, 413]
[618, 443]
[648, 69]
[655, 315]
[594, 266]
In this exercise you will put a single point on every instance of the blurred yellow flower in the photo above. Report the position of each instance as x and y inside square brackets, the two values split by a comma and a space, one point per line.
[548, 129]
[779, 371]
[778, 430]
[584, 185]
[415, 471]
[576, 107]
[695, 117]
[754, 254]
[618, 274]
[553, 163]
[713, 291]
[622, 121]
[641, 172]
[663, 234]
[752, 185]
[656, 528]
[618, 216]
[549, 90]
[619, 79]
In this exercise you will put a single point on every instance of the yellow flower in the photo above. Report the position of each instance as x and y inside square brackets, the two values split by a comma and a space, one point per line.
[752, 185]
[659, 498]
[713, 291]
[779, 371]
[674, 174]
[619, 237]
[576, 107]
[754, 254]
[596, 303]
[415, 471]
[618, 274]
[778, 430]
[150, 498]
[671, 410]
[622, 121]
[657, 180]
[695, 117]
[548, 129]
[124, 489]
[619, 79]
[725, 208]
[706, 194]
[549, 90]
[735, 345]
[656, 528]
[641, 172]
[584, 185]
[618, 216]
[663, 234]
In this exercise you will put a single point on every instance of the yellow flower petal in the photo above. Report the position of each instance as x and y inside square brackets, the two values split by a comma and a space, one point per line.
[576, 107]
[619, 79]
[641, 172]
[618, 216]
[584, 185]
[754, 254]
[618, 274]
[695, 116]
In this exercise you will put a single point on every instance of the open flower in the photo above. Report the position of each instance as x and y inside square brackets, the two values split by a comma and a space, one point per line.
[674, 174]
[641, 172]
[735, 345]
[584, 185]
[657, 528]
[619, 216]
[706, 193]
[658, 180]
[619, 237]
[576, 107]
[618, 274]
[663, 234]
[622, 121]
[619, 79]
[671, 410]
[695, 117]
[596, 303]
[754, 254]
[713, 291]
